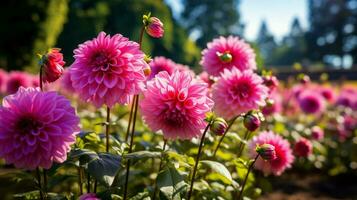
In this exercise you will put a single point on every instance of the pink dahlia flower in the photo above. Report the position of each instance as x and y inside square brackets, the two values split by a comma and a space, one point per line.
[66, 82]
[226, 53]
[311, 102]
[36, 128]
[284, 157]
[108, 70]
[17, 79]
[328, 94]
[3, 79]
[237, 92]
[347, 98]
[303, 147]
[159, 64]
[52, 65]
[176, 104]
[89, 196]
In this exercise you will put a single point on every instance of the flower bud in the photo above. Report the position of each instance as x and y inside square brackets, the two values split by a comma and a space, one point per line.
[225, 57]
[153, 26]
[266, 151]
[218, 126]
[52, 65]
[317, 133]
[271, 82]
[304, 79]
[251, 122]
[303, 147]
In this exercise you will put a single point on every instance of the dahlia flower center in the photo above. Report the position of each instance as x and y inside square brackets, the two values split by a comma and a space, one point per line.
[242, 90]
[174, 118]
[225, 57]
[102, 61]
[28, 124]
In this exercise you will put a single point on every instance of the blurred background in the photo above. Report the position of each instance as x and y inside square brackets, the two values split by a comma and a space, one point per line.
[287, 35]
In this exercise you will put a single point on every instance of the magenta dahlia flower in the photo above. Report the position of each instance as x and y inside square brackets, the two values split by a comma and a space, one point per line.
[226, 53]
[66, 82]
[311, 102]
[284, 156]
[237, 92]
[108, 70]
[303, 147]
[3, 79]
[36, 128]
[176, 104]
[17, 79]
[328, 94]
[89, 196]
[274, 104]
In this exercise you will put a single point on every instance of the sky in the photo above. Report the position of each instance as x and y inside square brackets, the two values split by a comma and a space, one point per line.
[277, 13]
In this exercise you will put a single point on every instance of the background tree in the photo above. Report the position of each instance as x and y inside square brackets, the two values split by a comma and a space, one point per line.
[207, 19]
[87, 18]
[331, 28]
[266, 42]
[30, 29]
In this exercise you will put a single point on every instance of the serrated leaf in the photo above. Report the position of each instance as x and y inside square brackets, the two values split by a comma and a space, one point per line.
[143, 155]
[105, 168]
[219, 169]
[171, 184]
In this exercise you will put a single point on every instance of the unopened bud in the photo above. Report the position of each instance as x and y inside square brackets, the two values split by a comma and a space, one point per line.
[266, 151]
[219, 126]
[251, 122]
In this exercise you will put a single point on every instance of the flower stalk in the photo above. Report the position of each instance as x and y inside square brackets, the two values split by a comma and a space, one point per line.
[246, 177]
[197, 160]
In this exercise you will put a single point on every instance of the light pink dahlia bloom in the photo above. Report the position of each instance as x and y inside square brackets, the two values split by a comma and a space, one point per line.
[108, 70]
[176, 104]
[36, 128]
[284, 156]
[17, 79]
[237, 92]
[226, 53]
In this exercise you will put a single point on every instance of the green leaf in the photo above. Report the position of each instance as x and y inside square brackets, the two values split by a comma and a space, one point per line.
[83, 155]
[143, 155]
[105, 168]
[220, 169]
[141, 196]
[171, 184]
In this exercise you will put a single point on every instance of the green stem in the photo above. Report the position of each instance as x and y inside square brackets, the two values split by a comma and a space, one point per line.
[197, 160]
[80, 181]
[40, 79]
[242, 144]
[88, 183]
[38, 173]
[224, 134]
[160, 166]
[45, 182]
[130, 118]
[246, 177]
[131, 147]
[107, 126]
